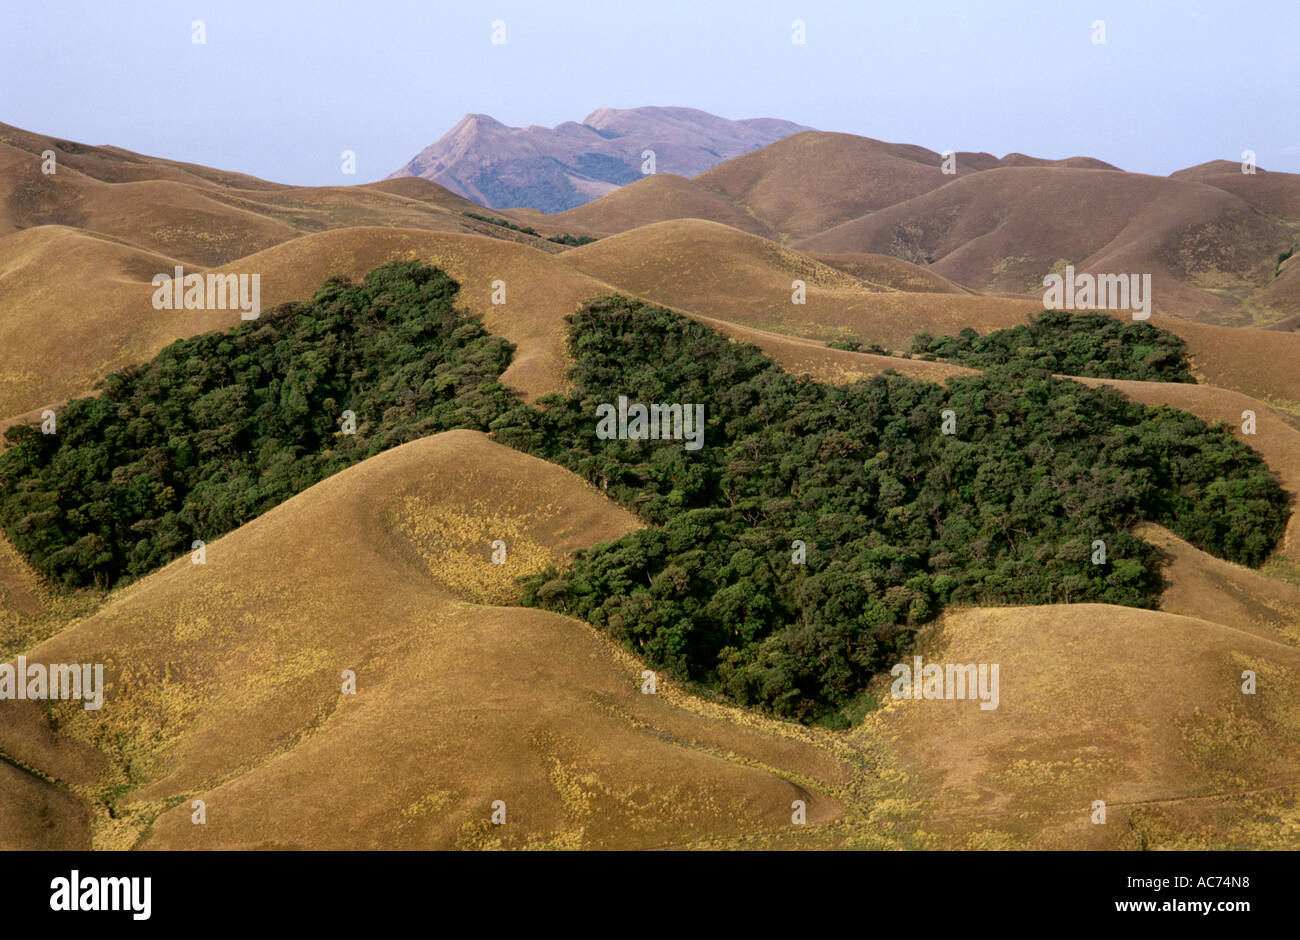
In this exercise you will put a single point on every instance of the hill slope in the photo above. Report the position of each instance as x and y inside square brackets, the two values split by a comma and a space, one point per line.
[64, 333]
[1003, 231]
[1140, 709]
[224, 684]
[720, 272]
[814, 181]
[658, 198]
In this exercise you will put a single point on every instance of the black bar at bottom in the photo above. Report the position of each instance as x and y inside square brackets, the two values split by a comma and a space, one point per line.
[648, 891]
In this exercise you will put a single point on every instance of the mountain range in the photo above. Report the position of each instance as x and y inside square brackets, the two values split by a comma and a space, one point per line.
[556, 168]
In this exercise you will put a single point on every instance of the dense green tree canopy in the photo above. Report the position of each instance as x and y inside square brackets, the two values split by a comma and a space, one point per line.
[219, 428]
[898, 518]
[1086, 344]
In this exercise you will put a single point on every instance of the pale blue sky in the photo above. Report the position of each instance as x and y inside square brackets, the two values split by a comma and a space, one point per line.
[281, 88]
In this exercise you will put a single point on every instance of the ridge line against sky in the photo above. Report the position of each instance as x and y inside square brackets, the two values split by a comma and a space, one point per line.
[280, 91]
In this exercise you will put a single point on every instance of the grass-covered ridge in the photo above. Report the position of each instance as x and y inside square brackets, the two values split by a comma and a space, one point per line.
[219, 428]
[571, 241]
[1093, 345]
[898, 518]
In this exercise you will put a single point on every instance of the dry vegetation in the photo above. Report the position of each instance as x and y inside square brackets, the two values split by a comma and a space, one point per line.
[226, 676]
[1140, 709]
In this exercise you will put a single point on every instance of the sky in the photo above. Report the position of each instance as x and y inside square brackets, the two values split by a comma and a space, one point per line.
[281, 89]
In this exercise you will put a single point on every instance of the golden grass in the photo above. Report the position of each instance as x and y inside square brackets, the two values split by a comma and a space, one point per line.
[813, 181]
[1002, 230]
[225, 686]
[659, 197]
[1141, 709]
[1200, 585]
[38, 815]
[719, 272]
[30, 609]
[889, 272]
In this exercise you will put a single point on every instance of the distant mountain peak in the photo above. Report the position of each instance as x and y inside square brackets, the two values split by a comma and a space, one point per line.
[558, 168]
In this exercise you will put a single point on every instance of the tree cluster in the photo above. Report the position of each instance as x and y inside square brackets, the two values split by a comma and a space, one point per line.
[897, 518]
[1086, 344]
[219, 428]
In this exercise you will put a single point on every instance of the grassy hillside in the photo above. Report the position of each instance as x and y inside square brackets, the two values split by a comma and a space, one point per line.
[1208, 251]
[66, 333]
[719, 272]
[659, 197]
[225, 685]
[813, 181]
[1140, 709]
